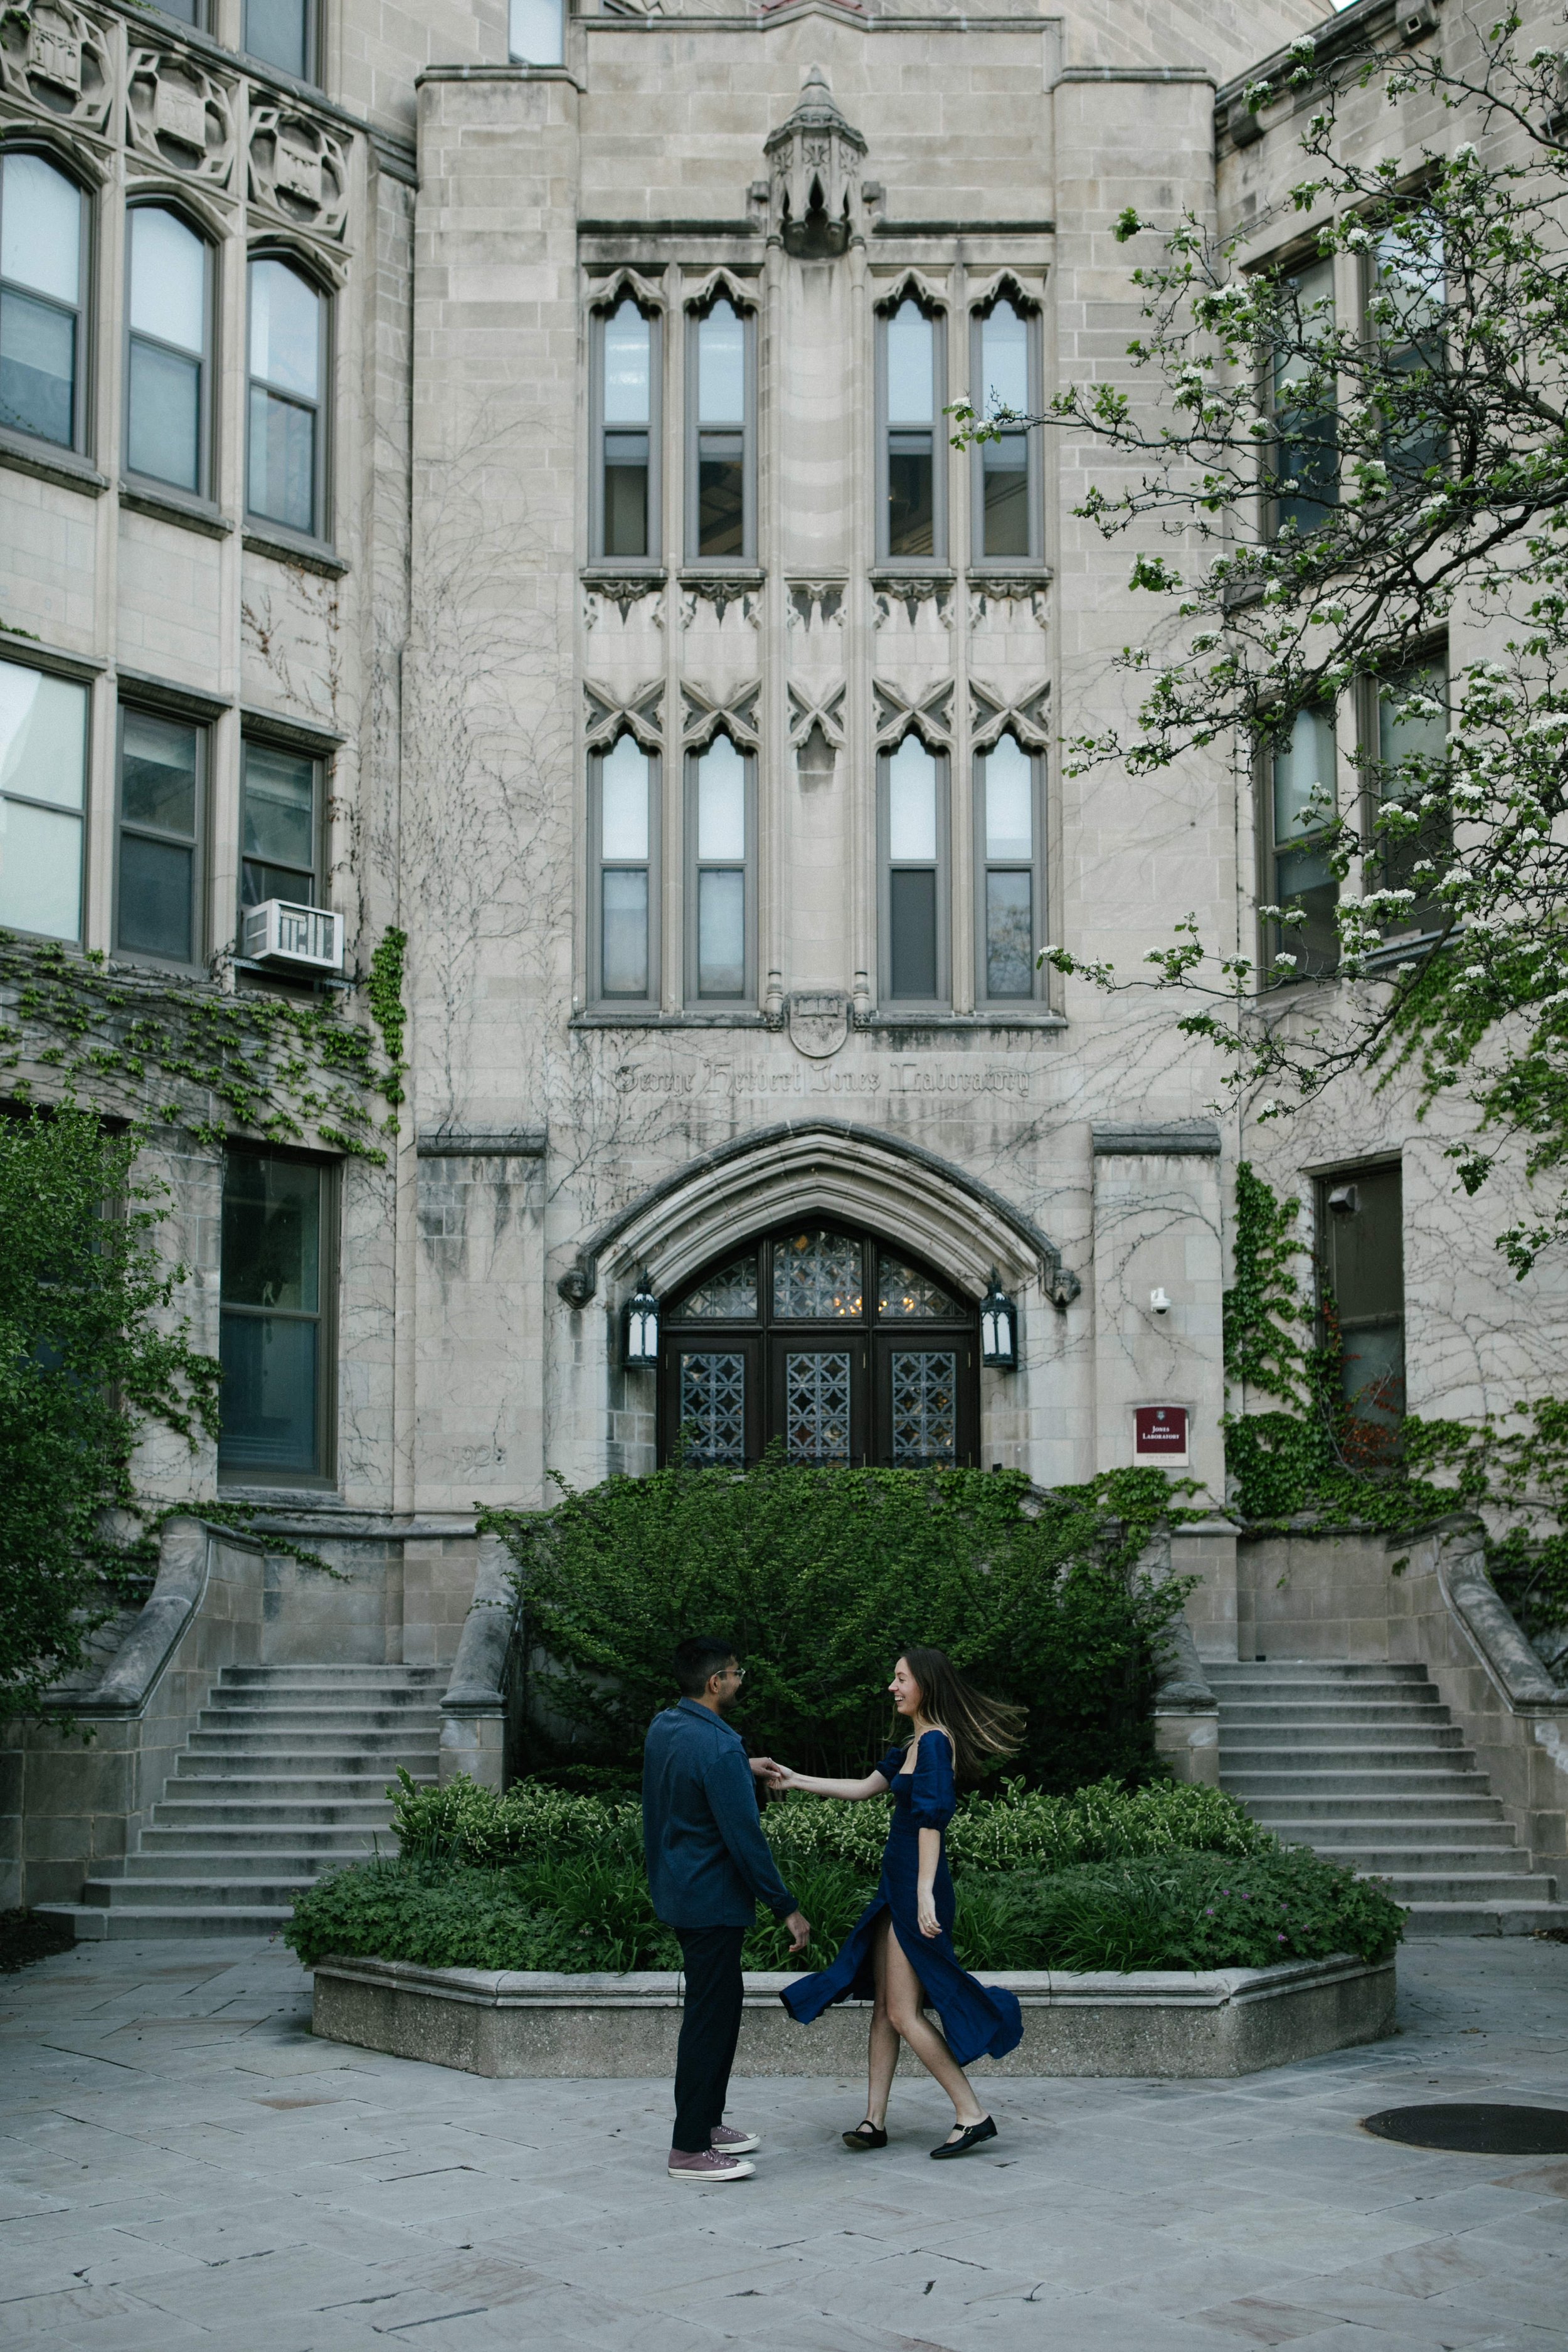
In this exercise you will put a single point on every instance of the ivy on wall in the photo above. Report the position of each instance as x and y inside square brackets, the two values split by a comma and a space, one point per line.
[1305, 1458]
[285, 1070]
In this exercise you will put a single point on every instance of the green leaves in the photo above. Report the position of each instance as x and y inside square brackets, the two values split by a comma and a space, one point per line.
[1166, 1878]
[89, 1357]
[818, 1577]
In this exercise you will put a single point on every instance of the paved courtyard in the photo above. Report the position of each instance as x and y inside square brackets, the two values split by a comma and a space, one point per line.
[182, 2164]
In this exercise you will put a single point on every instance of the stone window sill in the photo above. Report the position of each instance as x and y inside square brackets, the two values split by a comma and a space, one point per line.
[308, 555]
[169, 505]
[47, 464]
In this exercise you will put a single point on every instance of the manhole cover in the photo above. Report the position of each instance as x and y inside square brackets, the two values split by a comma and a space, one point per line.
[1473, 2129]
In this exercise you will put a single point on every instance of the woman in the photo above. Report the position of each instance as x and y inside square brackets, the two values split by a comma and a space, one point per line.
[899, 1952]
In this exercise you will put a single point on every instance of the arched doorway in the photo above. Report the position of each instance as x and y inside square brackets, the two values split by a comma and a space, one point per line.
[826, 1336]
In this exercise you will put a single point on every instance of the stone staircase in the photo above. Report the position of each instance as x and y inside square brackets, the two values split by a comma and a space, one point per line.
[1363, 1763]
[285, 1775]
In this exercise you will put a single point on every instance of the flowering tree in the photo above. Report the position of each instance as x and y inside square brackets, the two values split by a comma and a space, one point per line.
[1359, 488]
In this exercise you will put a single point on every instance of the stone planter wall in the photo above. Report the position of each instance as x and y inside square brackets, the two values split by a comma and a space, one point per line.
[1230, 2022]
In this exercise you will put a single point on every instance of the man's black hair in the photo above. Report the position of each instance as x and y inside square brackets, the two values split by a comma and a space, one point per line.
[700, 1655]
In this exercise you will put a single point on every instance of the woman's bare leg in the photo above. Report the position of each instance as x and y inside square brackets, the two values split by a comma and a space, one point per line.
[899, 1984]
[882, 2047]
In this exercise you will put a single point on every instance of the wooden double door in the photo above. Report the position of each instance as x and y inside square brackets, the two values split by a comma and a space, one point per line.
[831, 1341]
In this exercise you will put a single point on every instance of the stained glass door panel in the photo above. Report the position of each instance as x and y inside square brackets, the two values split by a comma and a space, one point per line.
[712, 1392]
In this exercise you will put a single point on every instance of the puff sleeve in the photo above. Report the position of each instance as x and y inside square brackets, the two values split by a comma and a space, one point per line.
[891, 1765]
[933, 1796]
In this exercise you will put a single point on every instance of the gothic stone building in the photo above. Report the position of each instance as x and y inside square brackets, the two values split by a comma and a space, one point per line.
[511, 503]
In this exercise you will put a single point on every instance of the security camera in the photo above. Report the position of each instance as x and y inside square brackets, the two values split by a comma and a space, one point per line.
[1160, 1300]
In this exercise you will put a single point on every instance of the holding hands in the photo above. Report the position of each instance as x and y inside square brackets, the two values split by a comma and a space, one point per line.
[775, 1776]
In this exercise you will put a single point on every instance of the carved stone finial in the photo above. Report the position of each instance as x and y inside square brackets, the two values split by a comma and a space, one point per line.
[814, 160]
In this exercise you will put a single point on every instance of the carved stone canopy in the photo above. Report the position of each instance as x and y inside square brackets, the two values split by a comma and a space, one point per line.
[814, 160]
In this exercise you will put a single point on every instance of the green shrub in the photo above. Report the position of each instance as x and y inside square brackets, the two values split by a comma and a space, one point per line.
[581, 1911]
[1017, 1827]
[818, 1576]
[1175, 1911]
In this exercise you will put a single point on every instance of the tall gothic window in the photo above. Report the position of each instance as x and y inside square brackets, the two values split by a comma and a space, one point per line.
[168, 360]
[720, 824]
[286, 469]
[43, 315]
[1006, 376]
[829, 1341]
[913, 826]
[1009, 872]
[623, 828]
[721, 526]
[626, 419]
[911, 473]
[1300, 808]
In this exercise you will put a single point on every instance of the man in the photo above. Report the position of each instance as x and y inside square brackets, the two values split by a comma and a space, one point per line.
[708, 1863]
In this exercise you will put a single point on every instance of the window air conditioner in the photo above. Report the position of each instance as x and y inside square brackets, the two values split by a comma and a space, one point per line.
[308, 938]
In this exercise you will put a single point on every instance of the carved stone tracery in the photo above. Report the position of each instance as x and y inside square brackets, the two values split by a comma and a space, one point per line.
[298, 170]
[55, 58]
[179, 117]
[814, 160]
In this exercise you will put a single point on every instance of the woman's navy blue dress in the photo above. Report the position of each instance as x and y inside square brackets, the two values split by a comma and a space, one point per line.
[977, 2020]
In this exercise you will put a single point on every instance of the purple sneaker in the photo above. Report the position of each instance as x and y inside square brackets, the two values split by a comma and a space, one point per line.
[731, 2142]
[709, 2164]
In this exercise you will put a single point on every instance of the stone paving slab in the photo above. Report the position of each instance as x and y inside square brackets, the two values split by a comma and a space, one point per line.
[181, 2164]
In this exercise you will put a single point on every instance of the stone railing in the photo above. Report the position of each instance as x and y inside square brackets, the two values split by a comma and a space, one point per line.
[479, 1708]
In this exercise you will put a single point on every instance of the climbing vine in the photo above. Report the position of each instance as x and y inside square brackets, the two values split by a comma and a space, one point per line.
[280, 1069]
[1306, 1457]
[383, 994]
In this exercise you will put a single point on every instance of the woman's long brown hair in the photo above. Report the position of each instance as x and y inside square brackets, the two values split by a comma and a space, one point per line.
[978, 1727]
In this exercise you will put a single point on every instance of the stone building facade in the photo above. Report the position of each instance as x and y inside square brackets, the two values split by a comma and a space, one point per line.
[511, 503]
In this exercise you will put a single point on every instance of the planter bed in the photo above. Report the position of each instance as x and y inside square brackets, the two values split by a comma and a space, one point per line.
[503, 2022]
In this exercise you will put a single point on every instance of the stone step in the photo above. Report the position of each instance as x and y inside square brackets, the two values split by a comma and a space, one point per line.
[1385, 1858]
[304, 1787]
[1352, 1807]
[309, 1744]
[1466, 1887]
[1419, 1707]
[165, 1840]
[428, 1677]
[1486, 1918]
[1397, 1831]
[288, 1865]
[1354, 1738]
[421, 1723]
[1367, 1781]
[218, 1816]
[135, 1922]
[1324, 1670]
[196, 1893]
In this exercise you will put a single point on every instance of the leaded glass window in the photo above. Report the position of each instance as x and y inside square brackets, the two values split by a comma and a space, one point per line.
[713, 1408]
[816, 1275]
[816, 1407]
[904, 1290]
[925, 1407]
[728, 1297]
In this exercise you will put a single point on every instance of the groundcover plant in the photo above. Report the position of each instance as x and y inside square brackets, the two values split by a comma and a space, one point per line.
[1169, 1877]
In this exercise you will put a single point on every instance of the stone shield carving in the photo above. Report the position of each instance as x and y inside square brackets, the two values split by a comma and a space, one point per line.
[180, 117]
[818, 1023]
[57, 58]
[299, 169]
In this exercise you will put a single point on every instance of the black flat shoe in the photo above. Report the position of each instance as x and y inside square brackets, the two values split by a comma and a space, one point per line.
[972, 2137]
[866, 2135]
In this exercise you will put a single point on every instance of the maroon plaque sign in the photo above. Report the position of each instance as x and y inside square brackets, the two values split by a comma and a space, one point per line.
[1159, 1432]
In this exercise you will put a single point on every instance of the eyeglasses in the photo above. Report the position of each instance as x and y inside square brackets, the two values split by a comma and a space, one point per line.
[737, 1672]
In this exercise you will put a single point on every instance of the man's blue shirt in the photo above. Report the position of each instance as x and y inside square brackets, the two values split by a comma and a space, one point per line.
[708, 1861]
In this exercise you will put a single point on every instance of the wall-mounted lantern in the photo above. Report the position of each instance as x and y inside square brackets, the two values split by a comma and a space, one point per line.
[998, 1328]
[641, 1352]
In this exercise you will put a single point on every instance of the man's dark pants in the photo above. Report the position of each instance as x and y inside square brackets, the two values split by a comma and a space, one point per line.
[709, 2031]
